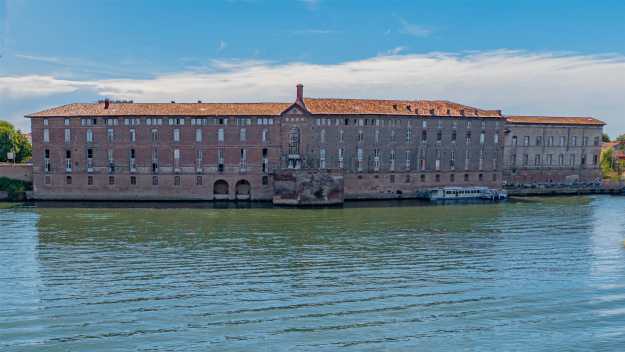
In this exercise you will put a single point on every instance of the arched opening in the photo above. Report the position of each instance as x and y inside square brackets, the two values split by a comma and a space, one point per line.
[243, 189]
[220, 189]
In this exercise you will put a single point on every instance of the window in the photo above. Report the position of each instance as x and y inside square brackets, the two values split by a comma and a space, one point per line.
[265, 180]
[341, 135]
[407, 159]
[133, 135]
[525, 159]
[466, 177]
[45, 122]
[198, 180]
[176, 180]
[322, 158]
[437, 162]
[407, 180]
[89, 160]
[68, 161]
[46, 180]
[539, 140]
[452, 178]
[177, 160]
[110, 135]
[408, 135]
[392, 161]
[111, 180]
[496, 137]
[574, 141]
[361, 136]
[572, 160]
[424, 135]
[46, 135]
[422, 178]
[154, 135]
[176, 135]
[595, 159]
[322, 136]
[561, 159]
[550, 141]
[132, 160]
[452, 160]
[265, 135]
[89, 136]
[220, 160]
[68, 180]
[514, 141]
[526, 141]
[154, 180]
[583, 160]
[437, 178]
[482, 137]
[376, 159]
[480, 177]
[562, 141]
[341, 152]
[111, 161]
[90, 180]
[549, 160]
[453, 136]
[243, 162]
[585, 141]
[537, 160]
[596, 142]
[359, 157]
[468, 137]
[154, 160]
[133, 180]
[243, 134]
[68, 136]
[220, 135]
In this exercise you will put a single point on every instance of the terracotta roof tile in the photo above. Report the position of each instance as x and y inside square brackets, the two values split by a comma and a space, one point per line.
[394, 107]
[554, 120]
[165, 109]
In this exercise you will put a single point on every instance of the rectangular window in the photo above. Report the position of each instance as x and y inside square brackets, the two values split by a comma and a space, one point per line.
[154, 180]
[562, 141]
[407, 159]
[453, 136]
[525, 159]
[482, 137]
[110, 136]
[111, 180]
[408, 135]
[90, 180]
[359, 157]
[176, 180]
[526, 141]
[322, 158]
[220, 135]
[154, 135]
[133, 135]
[550, 141]
[199, 180]
[220, 160]
[574, 141]
[265, 135]
[243, 134]
[572, 160]
[341, 152]
[243, 163]
[361, 136]
[514, 141]
[539, 140]
[595, 159]
[176, 135]
[496, 137]
[68, 161]
[89, 136]
[392, 161]
[439, 135]
[133, 180]
[452, 160]
[424, 135]
[68, 135]
[46, 135]
[45, 122]
[537, 160]
[177, 160]
[68, 180]
[111, 161]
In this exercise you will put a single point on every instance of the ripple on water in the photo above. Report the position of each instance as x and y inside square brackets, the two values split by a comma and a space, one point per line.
[540, 275]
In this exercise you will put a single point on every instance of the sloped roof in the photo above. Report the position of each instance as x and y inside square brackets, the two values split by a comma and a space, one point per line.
[164, 109]
[555, 120]
[394, 107]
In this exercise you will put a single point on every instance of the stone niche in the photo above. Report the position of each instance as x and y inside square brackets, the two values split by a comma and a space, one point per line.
[307, 187]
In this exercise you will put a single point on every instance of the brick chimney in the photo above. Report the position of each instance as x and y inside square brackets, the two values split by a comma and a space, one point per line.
[300, 93]
[107, 102]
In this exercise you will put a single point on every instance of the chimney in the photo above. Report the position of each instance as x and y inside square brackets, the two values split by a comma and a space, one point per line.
[106, 103]
[300, 93]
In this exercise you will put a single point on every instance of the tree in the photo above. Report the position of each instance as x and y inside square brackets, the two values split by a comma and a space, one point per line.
[620, 139]
[605, 138]
[12, 140]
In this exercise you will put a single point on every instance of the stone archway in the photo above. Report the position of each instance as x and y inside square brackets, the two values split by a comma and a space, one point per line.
[243, 189]
[220, 189]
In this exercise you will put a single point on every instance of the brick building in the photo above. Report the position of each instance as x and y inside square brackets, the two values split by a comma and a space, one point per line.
[326, 149]
[545, 149]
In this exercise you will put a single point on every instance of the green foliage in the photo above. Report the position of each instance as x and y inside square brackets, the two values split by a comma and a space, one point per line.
[605, 138]
[14, 188]
[12, 140]
[621, 139]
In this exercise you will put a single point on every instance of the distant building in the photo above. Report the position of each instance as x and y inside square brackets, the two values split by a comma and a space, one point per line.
[546, 149]
[314, 151]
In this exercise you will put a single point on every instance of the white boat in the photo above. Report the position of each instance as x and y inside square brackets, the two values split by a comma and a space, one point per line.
[466, 193]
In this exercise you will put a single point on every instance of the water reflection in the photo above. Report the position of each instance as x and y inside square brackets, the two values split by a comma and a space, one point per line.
[535, 274]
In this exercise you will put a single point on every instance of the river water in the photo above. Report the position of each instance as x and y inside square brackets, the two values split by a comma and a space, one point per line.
[539, 274]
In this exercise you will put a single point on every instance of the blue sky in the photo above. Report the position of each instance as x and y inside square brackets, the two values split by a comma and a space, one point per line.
[533, 57]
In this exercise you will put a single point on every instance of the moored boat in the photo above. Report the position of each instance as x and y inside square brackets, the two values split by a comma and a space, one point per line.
[466, 193]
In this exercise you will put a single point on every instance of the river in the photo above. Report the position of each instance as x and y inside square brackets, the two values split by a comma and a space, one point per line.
[536, 274]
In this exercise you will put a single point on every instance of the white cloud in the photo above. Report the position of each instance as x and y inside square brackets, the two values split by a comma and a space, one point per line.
[414, 29]
[17, 87]
[516, 82]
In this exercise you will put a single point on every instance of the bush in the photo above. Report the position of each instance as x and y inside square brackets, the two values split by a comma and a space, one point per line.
[14, 188]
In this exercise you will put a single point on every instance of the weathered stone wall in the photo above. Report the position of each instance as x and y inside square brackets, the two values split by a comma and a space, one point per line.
[308, 187]
[21, 172]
